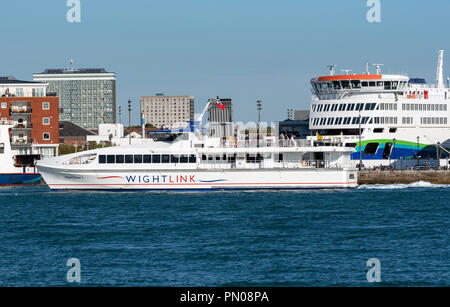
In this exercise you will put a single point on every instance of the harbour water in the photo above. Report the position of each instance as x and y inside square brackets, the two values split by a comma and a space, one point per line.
[306, 238]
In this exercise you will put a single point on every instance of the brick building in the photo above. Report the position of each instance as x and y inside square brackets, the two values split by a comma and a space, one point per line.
[35, 123]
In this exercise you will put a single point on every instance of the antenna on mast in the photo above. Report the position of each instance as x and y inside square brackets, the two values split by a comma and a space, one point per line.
[71, 64]
[331, 67]
[347, 71]
[440, 70]
[378, 68]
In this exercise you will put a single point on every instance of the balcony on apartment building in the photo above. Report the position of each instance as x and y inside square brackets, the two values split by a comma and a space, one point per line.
[24, 109]
[21, 139]
[22, 125]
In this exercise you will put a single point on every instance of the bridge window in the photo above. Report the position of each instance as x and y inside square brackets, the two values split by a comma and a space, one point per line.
[387, 85]
[102, 159]
[345, 84]
[336, 85]
[364, 84]
[356, 84]
[372, 83]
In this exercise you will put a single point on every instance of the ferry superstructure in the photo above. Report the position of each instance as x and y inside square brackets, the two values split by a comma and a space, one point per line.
[193, 160]
[10, 172]
[395, 117]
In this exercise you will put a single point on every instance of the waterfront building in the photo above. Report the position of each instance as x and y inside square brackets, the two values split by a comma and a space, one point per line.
[297, 127]
[33, 116]
[72, 134]
[220, 112]
[87, 96]
[167, 111]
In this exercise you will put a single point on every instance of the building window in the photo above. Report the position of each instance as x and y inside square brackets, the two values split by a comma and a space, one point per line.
[46, 136]
[45, 106]
[4, 105]
[46, 120]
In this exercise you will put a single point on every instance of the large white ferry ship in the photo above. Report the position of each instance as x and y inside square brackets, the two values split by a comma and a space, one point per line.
[386, 118]
[193, 160]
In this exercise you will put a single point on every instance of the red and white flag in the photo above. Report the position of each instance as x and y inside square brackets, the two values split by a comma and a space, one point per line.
[221, 105]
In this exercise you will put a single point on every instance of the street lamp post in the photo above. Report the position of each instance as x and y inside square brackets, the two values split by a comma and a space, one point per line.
[417, 155]
[438, 156]
[394, 141]
[360, 143]
[259, 108]
[129, 121]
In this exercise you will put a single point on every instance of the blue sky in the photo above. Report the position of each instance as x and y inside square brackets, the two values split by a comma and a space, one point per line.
[243, 49]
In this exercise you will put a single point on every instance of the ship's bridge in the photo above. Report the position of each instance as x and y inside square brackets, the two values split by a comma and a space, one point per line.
[338, 84]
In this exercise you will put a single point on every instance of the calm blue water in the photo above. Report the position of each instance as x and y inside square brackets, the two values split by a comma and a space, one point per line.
[319, 238]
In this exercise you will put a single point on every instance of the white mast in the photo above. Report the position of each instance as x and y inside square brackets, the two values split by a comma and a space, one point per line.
[378, 68]
[440, 70]
[332, 69]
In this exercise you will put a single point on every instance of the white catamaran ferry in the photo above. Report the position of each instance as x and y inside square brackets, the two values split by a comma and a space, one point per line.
[193, 160]
[395, 117]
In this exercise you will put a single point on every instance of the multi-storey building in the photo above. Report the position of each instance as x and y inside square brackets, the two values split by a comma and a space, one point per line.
[34, 117]
[167, 111]
[220, 112]
[87, 97]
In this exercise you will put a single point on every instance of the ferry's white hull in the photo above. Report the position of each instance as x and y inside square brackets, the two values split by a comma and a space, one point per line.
[60, 179]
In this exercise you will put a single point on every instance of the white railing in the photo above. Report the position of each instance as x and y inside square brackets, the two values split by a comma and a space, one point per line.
[266, 143]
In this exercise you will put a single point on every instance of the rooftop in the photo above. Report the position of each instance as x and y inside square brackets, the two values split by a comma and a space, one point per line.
[55, 71]
[67, 128]
[13, 80]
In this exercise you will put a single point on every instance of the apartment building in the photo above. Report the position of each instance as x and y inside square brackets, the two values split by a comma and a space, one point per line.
[33, 116]
[167, 111]
[87, 96]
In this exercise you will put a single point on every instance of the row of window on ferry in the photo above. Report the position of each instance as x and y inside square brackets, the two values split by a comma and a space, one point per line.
[344, 107]
[358, 84]
[340, 121]
[382, 107]
[138, 159]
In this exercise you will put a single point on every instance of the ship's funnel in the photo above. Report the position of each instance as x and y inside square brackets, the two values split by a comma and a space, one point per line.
[440, 70]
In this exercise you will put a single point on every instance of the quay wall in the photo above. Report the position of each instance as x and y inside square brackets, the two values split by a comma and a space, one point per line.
[404, 176]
